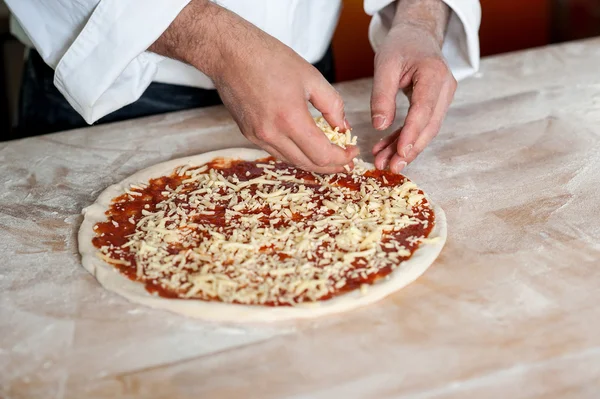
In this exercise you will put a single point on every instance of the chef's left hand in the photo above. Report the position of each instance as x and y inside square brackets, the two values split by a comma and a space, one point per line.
[411, 59]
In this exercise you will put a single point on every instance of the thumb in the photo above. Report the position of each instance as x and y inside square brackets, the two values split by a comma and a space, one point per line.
[330, 103]
[383, 97]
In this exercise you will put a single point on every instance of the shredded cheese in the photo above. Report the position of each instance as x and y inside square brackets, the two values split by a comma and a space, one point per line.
[283, 240]
[335, 136]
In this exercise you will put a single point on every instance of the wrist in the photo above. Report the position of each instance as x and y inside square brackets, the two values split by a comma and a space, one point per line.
[430, 16]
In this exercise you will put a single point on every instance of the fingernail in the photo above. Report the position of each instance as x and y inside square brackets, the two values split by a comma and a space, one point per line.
[346, 124]
[406, 151]
[379, 122]
[383, 164]
[399, 166]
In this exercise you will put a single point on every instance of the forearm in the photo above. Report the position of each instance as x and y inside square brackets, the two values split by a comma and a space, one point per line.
[431, 15]
[247, 67]
[195, 35]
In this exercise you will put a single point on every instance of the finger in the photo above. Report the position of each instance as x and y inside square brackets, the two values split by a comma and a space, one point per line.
[430, 131]
[383, 143]
[275, 153]
[397, 163]
[300, 161]
[297, 158]
[315, 145]
[268, 148]
[382, 160]
[383, 97]
[329, 102]
[426, 92]
[386, 141]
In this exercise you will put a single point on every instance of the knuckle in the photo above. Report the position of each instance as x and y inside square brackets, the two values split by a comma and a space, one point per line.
[314, 75]
[383, 61]
[413, 155]
[295, 160]
[309, 168]
[435, 68]
[438, 65]
[378, 58]
[303, 164]
[376, 103]
[453, 83]
[322, 160]
[264, 134]
[421, 109]
[314, 71]
[382, 103]
[379, 100]
[337, 103]
[282, 118]
[251, 137]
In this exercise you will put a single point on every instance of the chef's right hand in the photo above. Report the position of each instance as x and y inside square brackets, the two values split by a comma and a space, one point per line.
[265, 85]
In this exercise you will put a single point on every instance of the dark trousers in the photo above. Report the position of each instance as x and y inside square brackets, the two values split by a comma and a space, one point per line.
[43, 109]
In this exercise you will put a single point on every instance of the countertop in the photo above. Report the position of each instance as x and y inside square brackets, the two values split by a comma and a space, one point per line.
[511, 308]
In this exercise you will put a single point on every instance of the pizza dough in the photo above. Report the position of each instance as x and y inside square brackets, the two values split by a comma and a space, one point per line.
[114, 281]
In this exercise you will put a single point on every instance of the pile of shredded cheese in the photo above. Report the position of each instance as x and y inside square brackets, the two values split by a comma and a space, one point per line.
[271, 236]
[334, 135]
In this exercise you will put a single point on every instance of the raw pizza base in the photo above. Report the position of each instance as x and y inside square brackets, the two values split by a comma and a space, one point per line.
[114, 281]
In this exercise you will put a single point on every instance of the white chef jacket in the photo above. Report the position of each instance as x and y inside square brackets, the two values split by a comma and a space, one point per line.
[98, 47]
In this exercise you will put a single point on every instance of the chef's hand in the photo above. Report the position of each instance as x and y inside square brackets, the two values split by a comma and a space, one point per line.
[264, 84]
[411, 59]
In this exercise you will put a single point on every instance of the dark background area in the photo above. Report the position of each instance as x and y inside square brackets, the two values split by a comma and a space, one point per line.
[507, 25]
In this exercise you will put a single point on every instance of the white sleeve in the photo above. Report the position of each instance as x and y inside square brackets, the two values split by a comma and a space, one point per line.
[461, 44]
[97, 47]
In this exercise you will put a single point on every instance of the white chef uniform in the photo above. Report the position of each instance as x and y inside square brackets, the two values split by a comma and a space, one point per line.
[98, 47]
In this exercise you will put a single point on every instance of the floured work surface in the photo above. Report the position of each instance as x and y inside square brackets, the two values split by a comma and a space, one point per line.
[508, 310]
